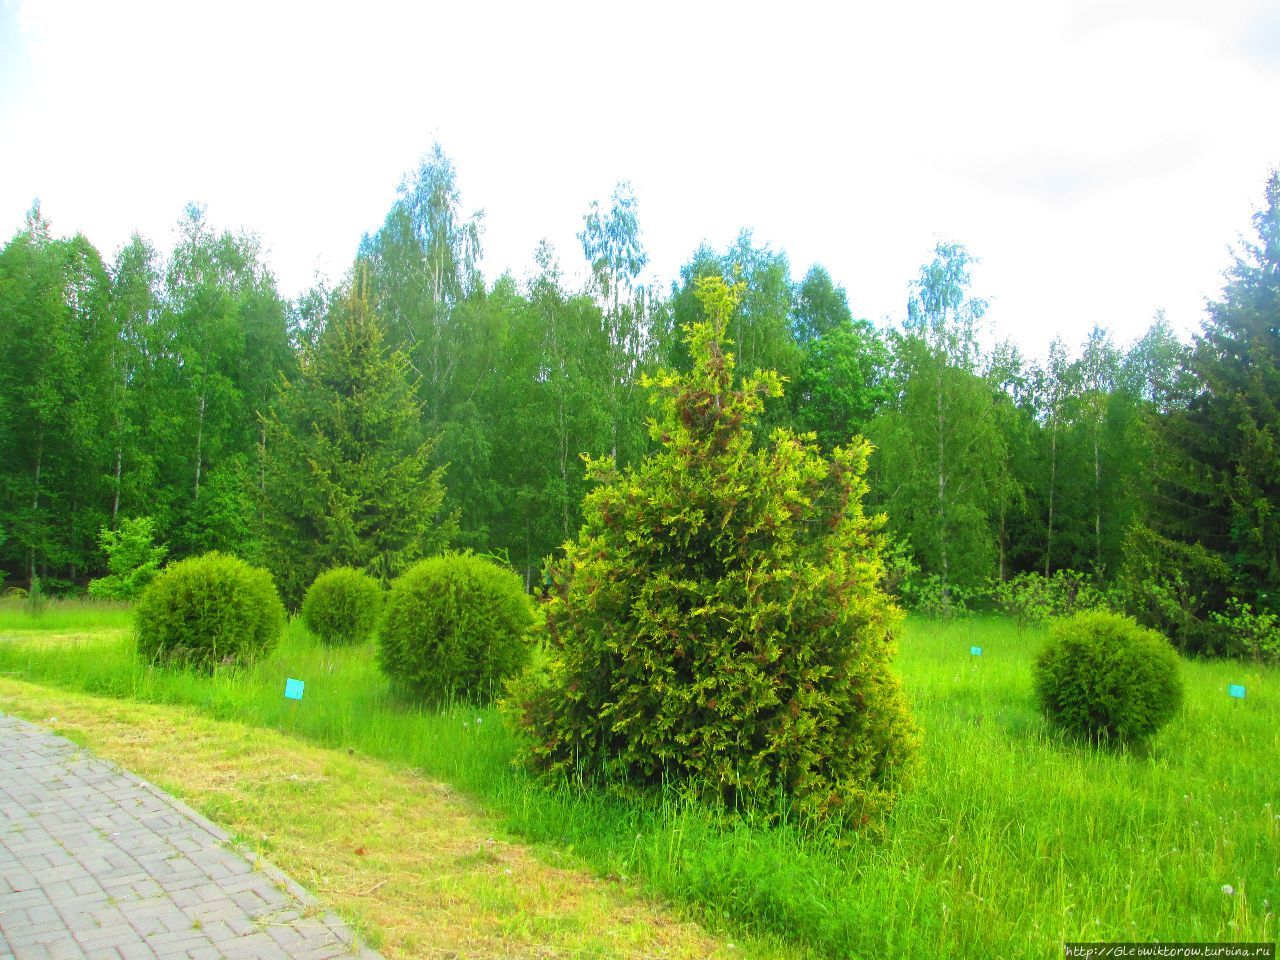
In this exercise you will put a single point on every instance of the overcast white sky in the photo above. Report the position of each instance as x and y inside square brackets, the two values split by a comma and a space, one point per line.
[1099, 156]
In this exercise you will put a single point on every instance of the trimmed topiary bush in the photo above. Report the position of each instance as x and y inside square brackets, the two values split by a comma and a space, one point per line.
[1105, 678]
[719, 623]
[209, 611]
[342, 606]
[456, 625]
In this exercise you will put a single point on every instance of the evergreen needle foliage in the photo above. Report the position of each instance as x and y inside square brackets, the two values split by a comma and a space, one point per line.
[719, 621]
[347, 475]
[342, 606]
[132, 557]
[455, 627]
[1105, 678]
[209, 611]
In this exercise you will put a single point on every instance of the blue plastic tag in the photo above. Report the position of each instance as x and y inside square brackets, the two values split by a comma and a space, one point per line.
[1236, 690]
[975, 651]
[293, 689]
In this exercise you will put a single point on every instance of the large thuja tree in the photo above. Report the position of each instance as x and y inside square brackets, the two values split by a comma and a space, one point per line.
[719, 620]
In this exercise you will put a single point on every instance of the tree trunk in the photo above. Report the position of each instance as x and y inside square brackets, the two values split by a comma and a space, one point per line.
[942, 493]
[115, 503]
[1097, 508]
[564, 472]
[74, 511]
[1002, 544]
[1053, 480]
[199, 444]
[262, 468]
[35, 507]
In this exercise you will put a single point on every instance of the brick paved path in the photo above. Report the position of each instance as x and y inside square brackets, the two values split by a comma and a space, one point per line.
[97, 863]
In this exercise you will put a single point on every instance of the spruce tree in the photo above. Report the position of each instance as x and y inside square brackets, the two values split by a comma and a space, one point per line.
[719, 621]
[347, 476]
[1222, 486]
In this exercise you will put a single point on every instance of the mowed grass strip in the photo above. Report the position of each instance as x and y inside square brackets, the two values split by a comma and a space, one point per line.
[60, 637]
[79, 615]
[420, 870]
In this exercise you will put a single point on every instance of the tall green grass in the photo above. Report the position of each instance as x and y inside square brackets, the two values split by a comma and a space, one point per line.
[59, 614]
[1011, 842]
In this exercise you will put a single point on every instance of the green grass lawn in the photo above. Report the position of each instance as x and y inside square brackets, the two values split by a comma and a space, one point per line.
[1010, 843]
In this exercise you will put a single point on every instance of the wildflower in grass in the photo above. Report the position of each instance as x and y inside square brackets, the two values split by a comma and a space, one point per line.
[1228, 889]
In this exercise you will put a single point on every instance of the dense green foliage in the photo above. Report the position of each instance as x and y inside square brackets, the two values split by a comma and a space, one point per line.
[347, 478]
[1251, 634]
[180, 386]
[1224, 476]
[1031, 598]
[209, 611]
[455, 627]
[941, 494]
[342, 606]
[133, 560]
[1171, 587]
[719, 621]
[1105, 678]
[132, 391]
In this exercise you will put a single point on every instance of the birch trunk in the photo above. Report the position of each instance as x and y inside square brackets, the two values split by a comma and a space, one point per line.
[199, 444]
[1097, 507]
[1053, 479]
[115, 503]
[942, 492]
[35, 507]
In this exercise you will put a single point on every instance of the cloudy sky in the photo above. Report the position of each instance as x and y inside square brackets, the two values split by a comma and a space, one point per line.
[1100, 157]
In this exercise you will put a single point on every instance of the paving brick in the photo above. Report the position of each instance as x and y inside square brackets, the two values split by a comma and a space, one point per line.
[96, 863]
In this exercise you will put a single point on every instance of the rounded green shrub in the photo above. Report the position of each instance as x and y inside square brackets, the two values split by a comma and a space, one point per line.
[456, 625]
[342, 606]
[209, 611]
[1105, 678]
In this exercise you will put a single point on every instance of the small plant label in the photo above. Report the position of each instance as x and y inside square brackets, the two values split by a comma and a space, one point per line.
[1236, 690]
[293, 689]
[975, 651]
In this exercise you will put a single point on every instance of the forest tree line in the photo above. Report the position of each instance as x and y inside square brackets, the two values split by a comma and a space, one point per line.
[419, 405]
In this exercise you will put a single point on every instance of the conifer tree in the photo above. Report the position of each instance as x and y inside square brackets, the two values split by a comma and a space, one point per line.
[1222, 486]
[347, 475]
[719, 620]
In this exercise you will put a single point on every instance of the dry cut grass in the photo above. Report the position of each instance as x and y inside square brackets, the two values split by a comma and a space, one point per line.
[420, 870]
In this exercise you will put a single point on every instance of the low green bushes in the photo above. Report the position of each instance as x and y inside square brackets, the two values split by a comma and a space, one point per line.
[1105, 678]
[209, 611]
[342, 606]
[1029, 598]
[1251, 634]
[455, 626]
